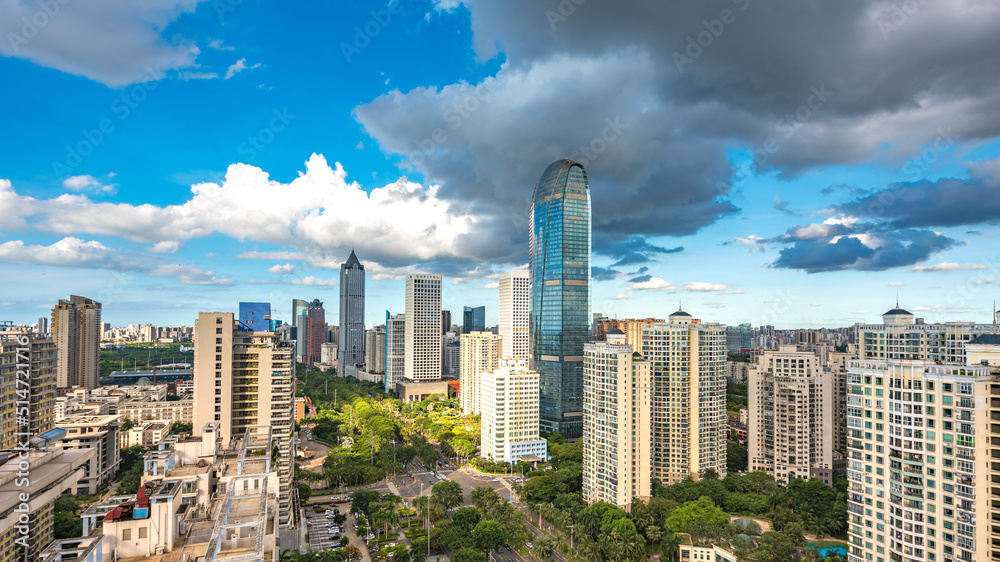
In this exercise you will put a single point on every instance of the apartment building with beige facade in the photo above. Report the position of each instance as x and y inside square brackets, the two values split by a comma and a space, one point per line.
[514, 304]
[509, 423]
[791, 416]
[689, 401]
[617, 422]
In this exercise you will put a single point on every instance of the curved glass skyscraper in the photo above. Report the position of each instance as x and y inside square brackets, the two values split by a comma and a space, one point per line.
[559, 255]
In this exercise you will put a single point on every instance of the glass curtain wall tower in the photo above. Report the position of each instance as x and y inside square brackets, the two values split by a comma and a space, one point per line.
[351, 344]
[559, 256]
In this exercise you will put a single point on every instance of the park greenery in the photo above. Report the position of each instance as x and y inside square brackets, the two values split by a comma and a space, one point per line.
[142, 356]
[372, 435]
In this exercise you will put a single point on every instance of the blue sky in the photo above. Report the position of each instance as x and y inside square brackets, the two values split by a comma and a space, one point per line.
[185, 155]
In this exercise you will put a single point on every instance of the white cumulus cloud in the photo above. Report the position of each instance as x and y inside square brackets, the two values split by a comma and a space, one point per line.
[286, 268]
[653, 284]
[948, 266]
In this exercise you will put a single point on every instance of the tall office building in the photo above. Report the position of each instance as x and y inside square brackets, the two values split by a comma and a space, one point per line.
[617, 420]
[509, 419]
[559, 260]
[515, 294]
[422, 360]
[43, 325]
[351, 347]
[395, 350]
[473, 319]
[689, 399]
[479, 352]
[315, 333]
[300, 317]
[76, 329]
[375, 350]
[790, 431]
[244, 379]
[445, 321]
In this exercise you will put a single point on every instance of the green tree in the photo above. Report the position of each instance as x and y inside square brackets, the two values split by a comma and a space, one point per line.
[447, 494]
[543, 548]
[467, 555]
[703, 510]
[362, 499]
[489, 535]
[304, 491]
[466, 518]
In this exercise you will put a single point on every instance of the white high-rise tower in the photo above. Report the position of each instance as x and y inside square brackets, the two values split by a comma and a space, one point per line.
[515, 300]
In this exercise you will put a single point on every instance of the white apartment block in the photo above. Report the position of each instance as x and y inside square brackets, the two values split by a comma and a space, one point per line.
[422, 356]
[790, 430]
[617, 419]
[689, 404]
[93, 432]
[509, 419]
[479, 352]
[515, 299]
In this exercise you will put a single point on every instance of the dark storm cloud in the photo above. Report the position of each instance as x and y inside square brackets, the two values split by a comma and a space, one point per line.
[626, 89]
[945, 202]
[886, 250]
[640, 279]
[633, 250]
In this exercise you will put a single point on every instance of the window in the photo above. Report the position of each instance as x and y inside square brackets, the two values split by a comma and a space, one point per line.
[126, 534]
[142, 532]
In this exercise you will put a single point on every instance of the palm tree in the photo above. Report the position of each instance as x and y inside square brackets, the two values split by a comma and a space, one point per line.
[543, 548]
[671, 546]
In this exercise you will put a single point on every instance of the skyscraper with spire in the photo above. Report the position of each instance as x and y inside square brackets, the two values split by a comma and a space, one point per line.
[559, 262]
[351, 345]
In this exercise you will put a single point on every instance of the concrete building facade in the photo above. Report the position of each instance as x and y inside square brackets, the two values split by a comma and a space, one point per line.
[351, 344]
[76, 330]
[395, 350]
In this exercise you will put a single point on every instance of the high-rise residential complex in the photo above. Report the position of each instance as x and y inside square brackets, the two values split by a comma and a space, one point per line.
[559, 262]
[445, 321]
[689, 401]
[242, 380]
[790, 430]
[255, 316]
[422, 360]
[351, 347]
[395, 349]
[300, 319]
[617, 420]
[920, 466]
[473, 319]
[42, 326]
[76, 329]
[509, 422]
[901, 336]
[375, 350]
[515, 306]
[315, 333]
[836, 364]
[479, 352]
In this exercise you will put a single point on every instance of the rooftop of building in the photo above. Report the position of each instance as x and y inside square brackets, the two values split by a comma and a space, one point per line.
[985, 339]
[898, 311]
[616, 332]
[77, 420]
[70, 549]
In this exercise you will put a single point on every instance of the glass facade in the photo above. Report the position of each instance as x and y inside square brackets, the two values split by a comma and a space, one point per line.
[559, 255]
[473, 319]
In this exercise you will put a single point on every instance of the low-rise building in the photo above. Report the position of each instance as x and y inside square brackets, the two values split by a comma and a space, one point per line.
[145, 408]
[93, 432]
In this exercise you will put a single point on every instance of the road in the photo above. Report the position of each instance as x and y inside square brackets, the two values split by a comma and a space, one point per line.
[315, 464]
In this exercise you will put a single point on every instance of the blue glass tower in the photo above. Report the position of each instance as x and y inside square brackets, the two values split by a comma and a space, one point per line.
[559, 256]
[255, 316]
[473, 319]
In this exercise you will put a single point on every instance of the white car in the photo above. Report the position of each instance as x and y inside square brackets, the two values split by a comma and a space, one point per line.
[496, 479]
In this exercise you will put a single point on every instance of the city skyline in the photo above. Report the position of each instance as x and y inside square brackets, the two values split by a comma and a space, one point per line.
[179, 156]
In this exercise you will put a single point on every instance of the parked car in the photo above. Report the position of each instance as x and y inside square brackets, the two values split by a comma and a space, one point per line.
[496, 479]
